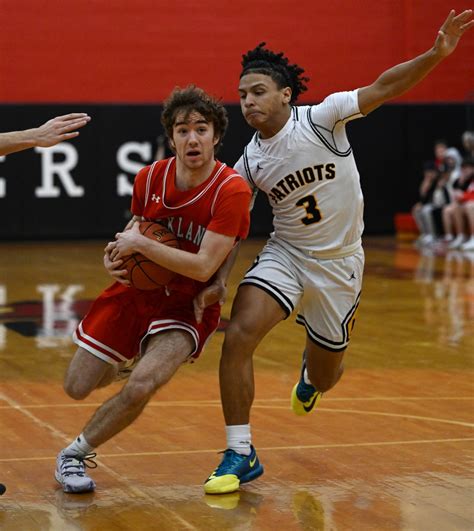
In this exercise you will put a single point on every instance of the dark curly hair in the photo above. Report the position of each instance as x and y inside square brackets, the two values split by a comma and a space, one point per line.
[191, 99]
[260, 60]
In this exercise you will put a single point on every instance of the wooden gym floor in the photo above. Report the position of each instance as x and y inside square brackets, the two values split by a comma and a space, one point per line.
[388, 448]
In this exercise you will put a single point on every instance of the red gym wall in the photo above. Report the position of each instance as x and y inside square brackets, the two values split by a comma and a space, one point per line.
[138, 50]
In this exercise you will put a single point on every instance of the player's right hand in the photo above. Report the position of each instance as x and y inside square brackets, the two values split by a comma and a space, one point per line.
[215, 292]
[112, 267]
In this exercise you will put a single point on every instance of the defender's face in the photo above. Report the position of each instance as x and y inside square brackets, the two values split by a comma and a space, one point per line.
[261, 100]
[193, 140]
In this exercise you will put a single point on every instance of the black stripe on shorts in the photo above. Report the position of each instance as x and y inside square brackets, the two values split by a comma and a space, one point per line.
[275, 293]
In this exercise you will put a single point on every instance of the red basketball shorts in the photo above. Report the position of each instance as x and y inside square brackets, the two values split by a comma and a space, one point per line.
[121, 319]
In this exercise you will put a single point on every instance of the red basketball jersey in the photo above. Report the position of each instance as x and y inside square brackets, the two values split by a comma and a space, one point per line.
[219, 204]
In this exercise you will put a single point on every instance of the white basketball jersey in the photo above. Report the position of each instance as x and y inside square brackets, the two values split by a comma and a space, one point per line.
[310, 177]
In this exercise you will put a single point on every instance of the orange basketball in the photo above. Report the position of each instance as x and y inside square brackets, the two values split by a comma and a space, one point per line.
[142, 272]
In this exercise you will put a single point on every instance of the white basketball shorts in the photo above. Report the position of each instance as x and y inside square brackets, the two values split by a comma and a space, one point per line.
[325, 292]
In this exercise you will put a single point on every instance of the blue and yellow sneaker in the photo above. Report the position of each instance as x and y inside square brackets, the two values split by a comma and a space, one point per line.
[233, 470]
[304, 397]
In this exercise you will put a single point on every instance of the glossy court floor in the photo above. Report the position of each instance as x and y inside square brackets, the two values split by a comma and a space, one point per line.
[389, 448]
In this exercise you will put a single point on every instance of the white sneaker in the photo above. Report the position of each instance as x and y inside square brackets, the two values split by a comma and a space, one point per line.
[428, 239]
[71, 472]
[469, 245]
[457, 242]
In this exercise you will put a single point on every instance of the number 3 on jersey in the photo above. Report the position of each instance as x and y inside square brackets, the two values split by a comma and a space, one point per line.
[313, 214]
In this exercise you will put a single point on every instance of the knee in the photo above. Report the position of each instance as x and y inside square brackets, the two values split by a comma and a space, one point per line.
[80, 384]
[76, 389]
[240, 340]
[449, 209]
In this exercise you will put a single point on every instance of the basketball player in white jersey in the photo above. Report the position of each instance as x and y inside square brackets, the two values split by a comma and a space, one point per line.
[301, 158]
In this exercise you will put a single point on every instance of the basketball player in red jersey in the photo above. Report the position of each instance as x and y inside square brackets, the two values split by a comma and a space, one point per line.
[206, 205]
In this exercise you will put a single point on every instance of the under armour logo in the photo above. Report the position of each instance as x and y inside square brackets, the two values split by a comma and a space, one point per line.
[155, 198]
[352, 276]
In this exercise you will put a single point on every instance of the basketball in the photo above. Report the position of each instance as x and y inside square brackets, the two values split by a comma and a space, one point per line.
[142, 272]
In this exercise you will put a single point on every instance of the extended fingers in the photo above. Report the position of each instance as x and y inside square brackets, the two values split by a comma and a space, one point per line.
[467, 26]
[448, 20]
[72, 116]
[457, 22]
[462, 17]
[63, 128]
[66, 127]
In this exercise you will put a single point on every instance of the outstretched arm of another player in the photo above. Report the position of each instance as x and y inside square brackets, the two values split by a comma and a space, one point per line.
[400, 78]
[50, 133]
[198, 266]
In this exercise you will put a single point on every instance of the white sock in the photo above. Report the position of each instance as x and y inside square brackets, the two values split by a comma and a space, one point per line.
[306, 377]
[239, 438]
[79, 447]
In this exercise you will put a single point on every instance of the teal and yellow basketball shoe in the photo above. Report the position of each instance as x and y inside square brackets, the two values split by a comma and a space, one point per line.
[233, 470]
[304, 397]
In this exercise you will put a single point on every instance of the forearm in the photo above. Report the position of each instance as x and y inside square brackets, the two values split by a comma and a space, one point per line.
[16, 141]
[223, 272]
[402, 77]
[196, 266]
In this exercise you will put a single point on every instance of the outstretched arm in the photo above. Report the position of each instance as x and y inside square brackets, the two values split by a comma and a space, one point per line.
[400, 78]
[50, 133]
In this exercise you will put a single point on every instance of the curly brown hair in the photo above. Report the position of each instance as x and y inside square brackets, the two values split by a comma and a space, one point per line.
[194, 99]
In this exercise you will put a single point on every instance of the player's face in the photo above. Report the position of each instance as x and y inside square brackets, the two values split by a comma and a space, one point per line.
[193, 140]
[261, 100]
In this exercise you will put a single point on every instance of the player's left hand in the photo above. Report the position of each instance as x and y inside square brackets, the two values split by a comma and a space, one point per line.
[452, 30]
[216, 292]
[126, 242]
[112, 268]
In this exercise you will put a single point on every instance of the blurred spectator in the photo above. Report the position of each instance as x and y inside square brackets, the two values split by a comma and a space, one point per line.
[440, 147]
[426, 190]
[467, 203]
[431, 212]
[468, 143]
[454, 213]
[452, 163]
